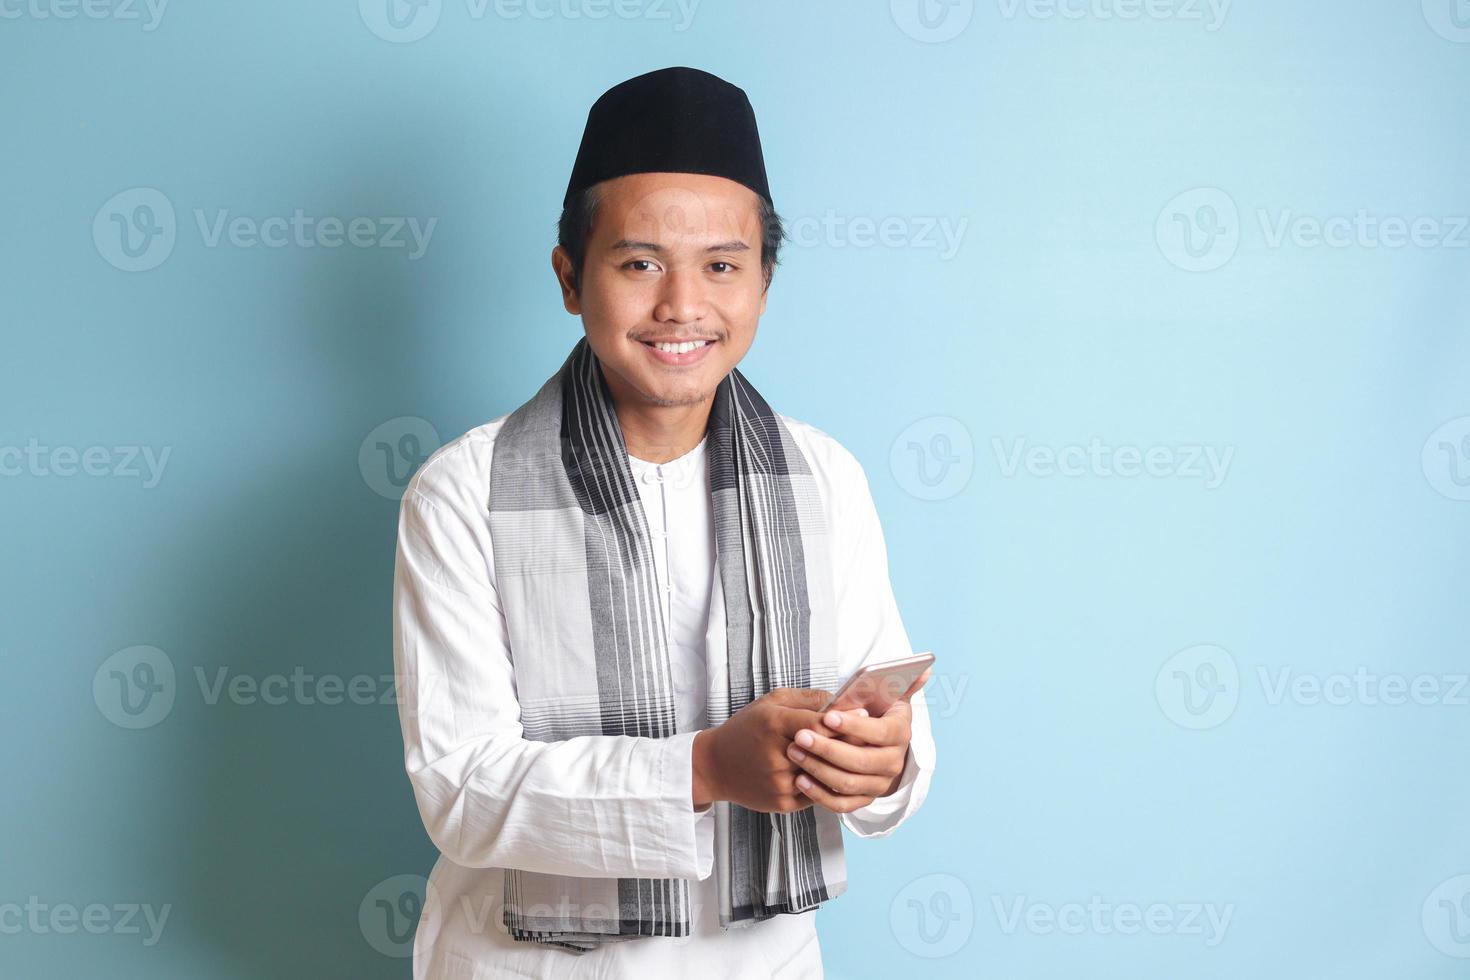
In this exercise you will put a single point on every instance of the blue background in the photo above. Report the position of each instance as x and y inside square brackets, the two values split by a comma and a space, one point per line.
[1334, 833]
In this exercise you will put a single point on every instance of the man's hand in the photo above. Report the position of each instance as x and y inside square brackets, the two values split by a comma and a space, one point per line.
[745, 761]
[865, 760]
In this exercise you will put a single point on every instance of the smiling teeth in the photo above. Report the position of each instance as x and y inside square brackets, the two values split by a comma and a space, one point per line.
[681, 348]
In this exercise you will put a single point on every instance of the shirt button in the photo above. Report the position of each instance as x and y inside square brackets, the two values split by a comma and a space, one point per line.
[650, 476]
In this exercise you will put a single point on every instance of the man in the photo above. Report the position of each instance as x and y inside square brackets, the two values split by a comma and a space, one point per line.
[620, 609]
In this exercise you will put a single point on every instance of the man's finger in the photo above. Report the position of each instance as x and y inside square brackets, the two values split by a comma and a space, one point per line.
[825, 797]
[840, 779]
[883, 730]
[793, 720]
[865, 760]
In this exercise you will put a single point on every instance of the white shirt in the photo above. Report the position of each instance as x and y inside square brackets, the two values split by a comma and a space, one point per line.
[490, 798]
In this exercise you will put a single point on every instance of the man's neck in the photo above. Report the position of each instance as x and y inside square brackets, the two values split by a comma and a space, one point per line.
[659, 433]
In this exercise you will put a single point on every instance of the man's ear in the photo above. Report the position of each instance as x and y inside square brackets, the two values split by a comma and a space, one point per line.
[561, 264]
[764, 294]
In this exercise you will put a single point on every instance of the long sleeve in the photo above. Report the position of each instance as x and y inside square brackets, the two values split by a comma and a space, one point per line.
[870, 630]
[593, 805]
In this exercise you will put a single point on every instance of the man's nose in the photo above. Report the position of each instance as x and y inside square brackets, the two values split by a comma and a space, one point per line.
[682, 298]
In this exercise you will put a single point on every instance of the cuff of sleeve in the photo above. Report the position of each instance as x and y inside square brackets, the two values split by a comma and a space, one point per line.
[704, 835]
[899, 798]
[882, 817]
[688, 833]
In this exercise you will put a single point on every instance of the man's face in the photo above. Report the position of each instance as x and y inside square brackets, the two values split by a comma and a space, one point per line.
[671, 257]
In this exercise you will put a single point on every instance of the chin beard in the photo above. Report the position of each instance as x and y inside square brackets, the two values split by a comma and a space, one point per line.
[677, 401]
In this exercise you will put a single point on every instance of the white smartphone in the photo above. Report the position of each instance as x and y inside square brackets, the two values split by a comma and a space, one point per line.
[877, 686]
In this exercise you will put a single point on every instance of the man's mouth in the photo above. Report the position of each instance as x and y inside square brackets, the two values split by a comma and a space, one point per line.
[678, 353]
[676, 347]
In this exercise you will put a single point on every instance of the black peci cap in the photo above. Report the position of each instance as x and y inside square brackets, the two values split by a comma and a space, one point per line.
[674, 120]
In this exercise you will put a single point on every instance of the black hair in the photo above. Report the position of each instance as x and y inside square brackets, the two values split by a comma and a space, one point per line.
[575, 225]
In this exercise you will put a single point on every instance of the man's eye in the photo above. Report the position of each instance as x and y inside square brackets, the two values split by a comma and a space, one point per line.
[637, 262]
[728, 266]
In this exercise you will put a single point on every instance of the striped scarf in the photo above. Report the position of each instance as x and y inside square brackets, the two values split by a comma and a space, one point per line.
[576, 578]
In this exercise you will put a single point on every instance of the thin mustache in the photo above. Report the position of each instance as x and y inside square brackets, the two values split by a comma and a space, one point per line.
[681, 340]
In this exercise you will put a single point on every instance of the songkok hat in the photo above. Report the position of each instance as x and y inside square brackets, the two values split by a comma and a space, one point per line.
[674, 120]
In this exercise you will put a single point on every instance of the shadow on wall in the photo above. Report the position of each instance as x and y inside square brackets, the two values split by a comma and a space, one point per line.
[298, 809]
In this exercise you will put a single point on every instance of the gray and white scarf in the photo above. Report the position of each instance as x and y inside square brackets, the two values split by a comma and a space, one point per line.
[576, 579]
